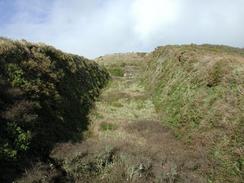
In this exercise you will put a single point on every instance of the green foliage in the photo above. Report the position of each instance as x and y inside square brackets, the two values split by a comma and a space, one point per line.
[45, 97]
[15, 75]
[16, 141]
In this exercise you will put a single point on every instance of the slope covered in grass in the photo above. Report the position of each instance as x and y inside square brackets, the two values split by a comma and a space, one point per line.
[45, 96]
[198, 91]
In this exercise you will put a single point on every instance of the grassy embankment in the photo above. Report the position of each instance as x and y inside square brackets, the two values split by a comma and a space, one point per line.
[198, 91]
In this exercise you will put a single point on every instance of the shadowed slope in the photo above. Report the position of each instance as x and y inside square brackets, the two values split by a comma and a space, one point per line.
[45, 97]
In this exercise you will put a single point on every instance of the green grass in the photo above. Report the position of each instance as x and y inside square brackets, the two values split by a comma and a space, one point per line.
[117, 71]
[195, 91]
[104, 126]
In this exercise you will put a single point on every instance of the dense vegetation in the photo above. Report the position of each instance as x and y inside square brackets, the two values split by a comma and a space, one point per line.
[173, 115]
[199, 92]
[45, 96]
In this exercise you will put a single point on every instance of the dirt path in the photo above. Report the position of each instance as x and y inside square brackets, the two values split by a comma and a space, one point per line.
[128, 143]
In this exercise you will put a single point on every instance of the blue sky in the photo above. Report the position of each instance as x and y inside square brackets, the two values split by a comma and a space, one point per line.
[10, 10]
[96, 27]
[5, 16]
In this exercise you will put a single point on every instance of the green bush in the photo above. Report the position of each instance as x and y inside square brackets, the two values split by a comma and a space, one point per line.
[45, 97]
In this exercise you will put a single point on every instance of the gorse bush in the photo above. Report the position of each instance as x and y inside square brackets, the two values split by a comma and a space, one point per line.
[45, 96]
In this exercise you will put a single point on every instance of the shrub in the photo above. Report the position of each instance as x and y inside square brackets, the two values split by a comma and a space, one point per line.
[45, 97]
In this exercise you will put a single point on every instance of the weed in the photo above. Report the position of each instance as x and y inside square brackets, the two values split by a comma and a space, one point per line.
[116, 71]
[104, 126]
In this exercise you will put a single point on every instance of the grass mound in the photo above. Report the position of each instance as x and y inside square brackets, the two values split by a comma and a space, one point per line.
[198, 91]
[45, 97]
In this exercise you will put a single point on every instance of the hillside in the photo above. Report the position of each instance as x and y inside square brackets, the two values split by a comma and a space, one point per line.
[45, 98]
[173, 115]
[198, 91]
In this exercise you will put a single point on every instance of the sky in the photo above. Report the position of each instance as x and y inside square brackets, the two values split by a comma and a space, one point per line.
[92, 28]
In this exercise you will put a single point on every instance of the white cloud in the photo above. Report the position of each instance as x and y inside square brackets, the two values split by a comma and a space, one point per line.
[96, 27]
[154, 15]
